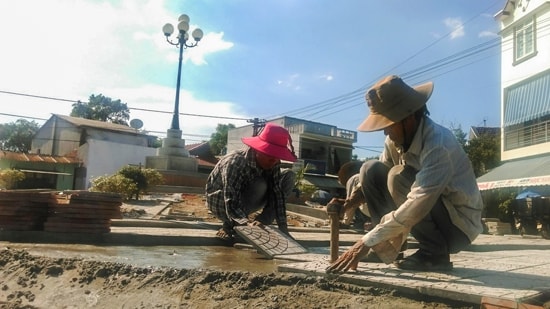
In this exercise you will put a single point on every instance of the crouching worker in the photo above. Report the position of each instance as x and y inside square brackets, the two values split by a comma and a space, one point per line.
[249, 180]
[423, 184]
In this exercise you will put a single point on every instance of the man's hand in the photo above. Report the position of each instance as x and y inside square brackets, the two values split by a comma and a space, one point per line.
[350, 259]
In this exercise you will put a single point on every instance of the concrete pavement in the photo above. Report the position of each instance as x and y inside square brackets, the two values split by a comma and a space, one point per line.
[510, 271]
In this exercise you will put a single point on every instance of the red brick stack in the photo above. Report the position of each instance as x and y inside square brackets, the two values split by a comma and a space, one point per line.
[23, 210]
[83, 212]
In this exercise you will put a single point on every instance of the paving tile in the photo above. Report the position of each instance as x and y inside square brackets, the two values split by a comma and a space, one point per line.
[269, 241]
[500, 267]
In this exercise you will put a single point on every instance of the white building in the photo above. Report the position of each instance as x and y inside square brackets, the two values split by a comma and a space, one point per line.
[102, 147]
[525, 96]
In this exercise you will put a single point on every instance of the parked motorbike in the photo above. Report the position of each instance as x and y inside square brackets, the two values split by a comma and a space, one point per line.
[532, 214]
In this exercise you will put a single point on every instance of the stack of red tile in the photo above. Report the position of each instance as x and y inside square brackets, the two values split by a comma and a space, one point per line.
[83, 212]
[23, 210]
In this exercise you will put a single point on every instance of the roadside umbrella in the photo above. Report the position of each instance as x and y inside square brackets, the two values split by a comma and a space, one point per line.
[527, 193]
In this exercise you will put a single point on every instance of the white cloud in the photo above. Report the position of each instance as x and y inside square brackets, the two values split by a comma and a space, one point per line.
[487, 34]
[210, 43]
[164, 100]
[327, 77]
[290, 82]
[71, 49]
[456, 27]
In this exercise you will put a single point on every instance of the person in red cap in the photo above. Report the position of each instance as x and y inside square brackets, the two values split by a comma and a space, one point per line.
[423, 184]
[251, 179]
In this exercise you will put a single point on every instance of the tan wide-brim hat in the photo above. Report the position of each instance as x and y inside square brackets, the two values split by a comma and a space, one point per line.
[390, 100]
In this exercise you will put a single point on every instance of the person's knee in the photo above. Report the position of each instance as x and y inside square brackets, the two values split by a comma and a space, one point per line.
[370, 169]
[400, 180]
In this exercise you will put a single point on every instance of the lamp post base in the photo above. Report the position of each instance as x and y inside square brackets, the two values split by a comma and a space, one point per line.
[172, 155]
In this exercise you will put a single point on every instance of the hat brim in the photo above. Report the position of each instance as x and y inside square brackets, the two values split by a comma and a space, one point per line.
[279, 152]
[378, 122]
[375, 122]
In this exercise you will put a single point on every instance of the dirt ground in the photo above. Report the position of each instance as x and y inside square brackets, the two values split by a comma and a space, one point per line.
[30, 281]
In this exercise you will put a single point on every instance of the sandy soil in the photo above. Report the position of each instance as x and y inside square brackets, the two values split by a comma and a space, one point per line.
[30, 281]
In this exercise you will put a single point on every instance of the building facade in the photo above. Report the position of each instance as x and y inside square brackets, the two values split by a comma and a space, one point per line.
[323, 148]
[41, 171]
[525, 96]
[101, 147]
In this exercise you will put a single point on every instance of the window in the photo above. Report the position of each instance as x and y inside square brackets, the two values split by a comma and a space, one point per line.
[524, 43]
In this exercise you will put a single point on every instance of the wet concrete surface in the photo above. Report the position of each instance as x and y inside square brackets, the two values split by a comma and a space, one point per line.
[221, 258]
[170, 244]
[179, 245]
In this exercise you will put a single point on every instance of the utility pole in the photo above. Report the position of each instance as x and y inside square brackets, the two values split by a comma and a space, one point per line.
[256, 125]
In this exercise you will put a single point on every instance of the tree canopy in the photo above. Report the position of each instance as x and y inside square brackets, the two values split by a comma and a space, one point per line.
[102, 108]
[218, 139]
[17, 136]
[483, 151]
[460, 135]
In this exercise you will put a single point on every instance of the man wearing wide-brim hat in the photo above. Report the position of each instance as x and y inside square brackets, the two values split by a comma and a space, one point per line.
[423, 184]
[251, 179]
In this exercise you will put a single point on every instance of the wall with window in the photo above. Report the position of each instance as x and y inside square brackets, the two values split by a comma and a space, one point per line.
[525, 73]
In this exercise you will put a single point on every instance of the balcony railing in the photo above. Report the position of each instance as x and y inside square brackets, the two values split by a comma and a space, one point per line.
[324, 130]
[527, 136]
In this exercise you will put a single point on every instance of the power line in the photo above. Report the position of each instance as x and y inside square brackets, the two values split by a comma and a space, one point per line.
[187, 114]
[131, 108]
[350, 97]
[20, 116]
[356, 96]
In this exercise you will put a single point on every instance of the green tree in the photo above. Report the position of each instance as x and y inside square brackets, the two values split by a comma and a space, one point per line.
[218, 140]
[460, 135]
[17, 136]
[484, 152]
[102, 108]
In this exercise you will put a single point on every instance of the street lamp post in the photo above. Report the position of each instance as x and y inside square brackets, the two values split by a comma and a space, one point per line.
[181, 42]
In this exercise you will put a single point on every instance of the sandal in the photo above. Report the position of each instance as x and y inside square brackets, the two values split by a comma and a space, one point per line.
[425, 262]
[372, 257]
[224, 235]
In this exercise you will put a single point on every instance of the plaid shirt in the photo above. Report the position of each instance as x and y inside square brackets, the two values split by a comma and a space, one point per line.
[233, 173]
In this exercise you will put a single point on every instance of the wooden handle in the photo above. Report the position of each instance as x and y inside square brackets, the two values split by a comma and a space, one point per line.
[333, 211]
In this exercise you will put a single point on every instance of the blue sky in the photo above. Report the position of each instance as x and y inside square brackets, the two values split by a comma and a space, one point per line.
[310, 59]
